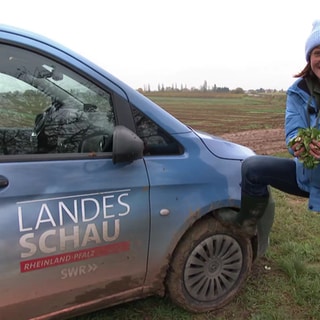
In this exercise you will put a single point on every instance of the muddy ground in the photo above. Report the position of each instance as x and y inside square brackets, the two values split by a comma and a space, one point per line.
[267, 142]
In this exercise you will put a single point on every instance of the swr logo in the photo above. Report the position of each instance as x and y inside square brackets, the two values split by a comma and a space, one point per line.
[78, 271]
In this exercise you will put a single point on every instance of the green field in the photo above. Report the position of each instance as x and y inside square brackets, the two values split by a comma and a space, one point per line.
[218, 114]
[285, 284]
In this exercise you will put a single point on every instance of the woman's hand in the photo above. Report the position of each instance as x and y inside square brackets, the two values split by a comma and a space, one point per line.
[315, 148]
[306, 147]
[298, 149]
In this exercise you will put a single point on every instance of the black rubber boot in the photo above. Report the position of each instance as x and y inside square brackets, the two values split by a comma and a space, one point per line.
[245, 221]
[252, 209]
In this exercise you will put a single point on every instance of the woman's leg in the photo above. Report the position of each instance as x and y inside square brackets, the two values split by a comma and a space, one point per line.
[258, 172]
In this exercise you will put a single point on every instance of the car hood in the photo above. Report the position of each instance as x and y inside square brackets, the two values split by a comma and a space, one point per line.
[223, 148]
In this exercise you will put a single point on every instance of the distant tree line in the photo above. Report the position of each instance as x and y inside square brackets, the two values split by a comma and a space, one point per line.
[205, 88]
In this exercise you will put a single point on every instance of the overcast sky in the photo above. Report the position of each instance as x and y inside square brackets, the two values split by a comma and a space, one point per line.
[237, 43]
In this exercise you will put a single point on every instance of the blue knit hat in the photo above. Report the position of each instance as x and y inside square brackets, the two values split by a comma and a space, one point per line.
[314, 39]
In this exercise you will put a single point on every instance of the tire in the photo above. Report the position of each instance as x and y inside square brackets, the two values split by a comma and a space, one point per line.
[209, 267]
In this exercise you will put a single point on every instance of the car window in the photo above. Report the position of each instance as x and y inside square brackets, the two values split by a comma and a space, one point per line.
[156, 140]
[48, 108]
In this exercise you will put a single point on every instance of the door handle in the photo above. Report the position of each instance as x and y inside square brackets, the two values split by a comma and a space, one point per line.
[4, 182]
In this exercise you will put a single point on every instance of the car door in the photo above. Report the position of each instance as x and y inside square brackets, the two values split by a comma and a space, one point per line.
[74, 226]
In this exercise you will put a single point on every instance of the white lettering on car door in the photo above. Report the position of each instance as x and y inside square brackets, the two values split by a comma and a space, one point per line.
[54, 225]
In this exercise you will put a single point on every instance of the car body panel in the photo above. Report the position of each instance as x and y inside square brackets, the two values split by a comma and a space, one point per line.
[224, 149]
[182, 205]
[100, 230]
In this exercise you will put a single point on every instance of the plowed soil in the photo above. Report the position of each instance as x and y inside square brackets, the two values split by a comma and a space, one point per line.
[265, 142]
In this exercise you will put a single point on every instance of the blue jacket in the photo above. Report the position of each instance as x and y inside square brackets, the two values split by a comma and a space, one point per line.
[297, 116]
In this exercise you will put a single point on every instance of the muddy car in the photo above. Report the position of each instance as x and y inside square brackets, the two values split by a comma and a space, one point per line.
[106, 197]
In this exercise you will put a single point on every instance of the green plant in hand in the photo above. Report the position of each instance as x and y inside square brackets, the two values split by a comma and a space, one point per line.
[305, 137]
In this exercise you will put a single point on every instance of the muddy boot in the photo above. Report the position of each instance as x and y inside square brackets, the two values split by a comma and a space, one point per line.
[252, 209]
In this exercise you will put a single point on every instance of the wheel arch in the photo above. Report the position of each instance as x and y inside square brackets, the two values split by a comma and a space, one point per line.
[173, 265]
[157, 273]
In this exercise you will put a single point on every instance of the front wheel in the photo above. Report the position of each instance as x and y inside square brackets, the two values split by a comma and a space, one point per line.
[209, 267]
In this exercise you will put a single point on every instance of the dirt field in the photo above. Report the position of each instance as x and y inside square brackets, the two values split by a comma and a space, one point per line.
[269, 141]
[256, 122]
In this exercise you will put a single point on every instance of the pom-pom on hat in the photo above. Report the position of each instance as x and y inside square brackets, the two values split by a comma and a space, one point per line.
[314, 39]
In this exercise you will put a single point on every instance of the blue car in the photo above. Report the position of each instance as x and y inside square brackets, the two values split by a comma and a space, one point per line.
[106, 197]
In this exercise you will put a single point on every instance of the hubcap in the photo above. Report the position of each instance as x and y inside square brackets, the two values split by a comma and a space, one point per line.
[213, 268]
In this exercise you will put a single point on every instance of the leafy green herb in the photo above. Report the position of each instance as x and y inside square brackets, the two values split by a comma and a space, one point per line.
[305, 137]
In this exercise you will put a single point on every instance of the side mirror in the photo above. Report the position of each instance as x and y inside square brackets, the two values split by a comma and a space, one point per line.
[127, 146]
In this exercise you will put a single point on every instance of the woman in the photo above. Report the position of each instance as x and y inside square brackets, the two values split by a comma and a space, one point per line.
[290, 176]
